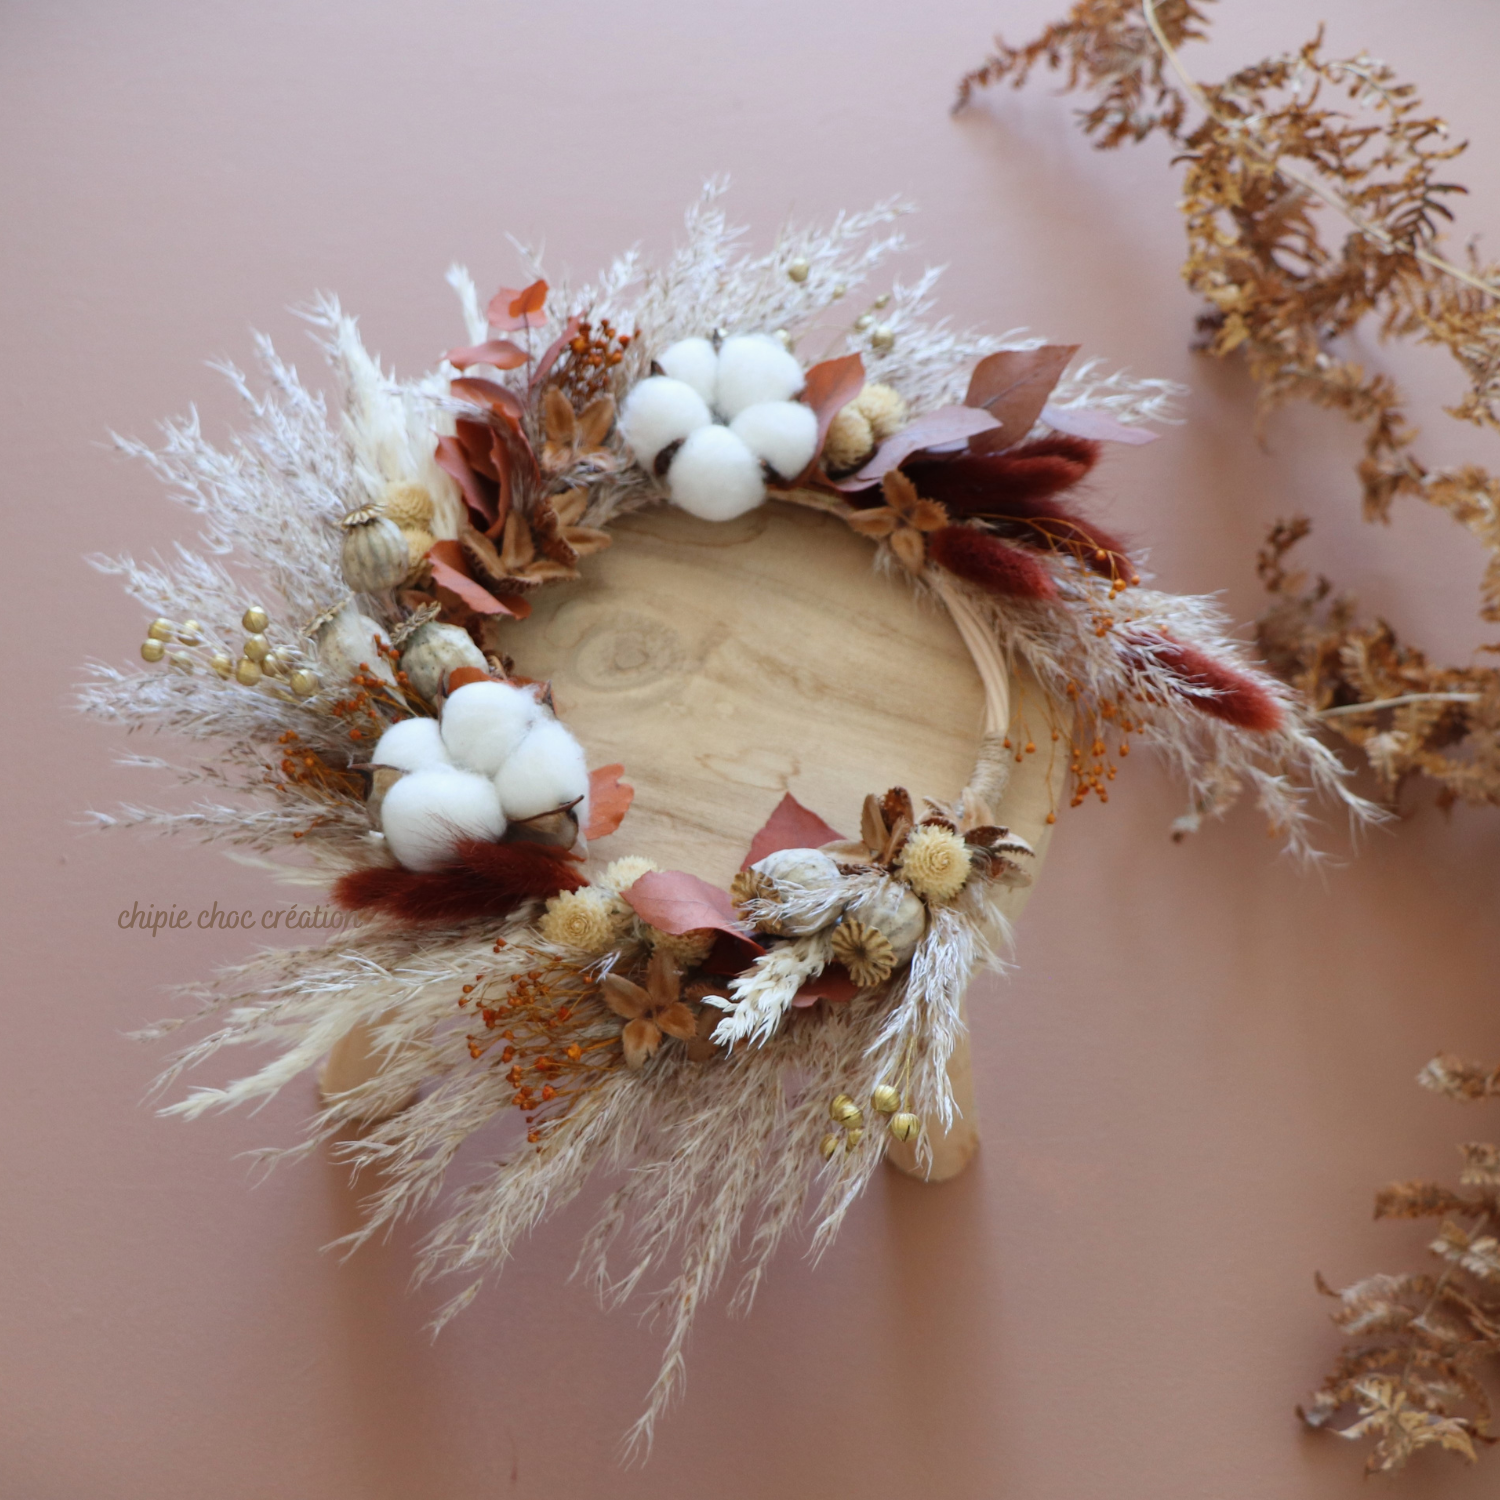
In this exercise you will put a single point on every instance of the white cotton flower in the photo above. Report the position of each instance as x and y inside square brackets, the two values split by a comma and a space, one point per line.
[427, 813]
[694, 362]
[783, 434]
[754, 368]
[484, 722]
[412, 745]
[659, 411]
[547, 771]
[715, 476]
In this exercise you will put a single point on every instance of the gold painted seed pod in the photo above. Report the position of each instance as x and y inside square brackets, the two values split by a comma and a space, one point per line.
[222, 664]
[161, 630]
[305, 683]
[255, 619]
[886, 1099]
[247, 672]
[257, 647]
[905, 1126]
[828, 1145]
[152, 650]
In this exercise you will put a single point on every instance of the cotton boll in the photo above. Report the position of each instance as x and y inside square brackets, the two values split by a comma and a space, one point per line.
[426, 814]
[783, 434]
[412, 745]
[752, 369]
[659, 411]
[483, 722]
[715, 476]
[546, 772]
[695, 362]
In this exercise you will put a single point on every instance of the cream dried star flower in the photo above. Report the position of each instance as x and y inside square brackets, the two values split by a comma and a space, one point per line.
[864, 951]
[935, 862]
[586, 921]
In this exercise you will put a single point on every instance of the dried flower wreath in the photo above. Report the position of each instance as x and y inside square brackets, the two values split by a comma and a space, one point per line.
[379, 727]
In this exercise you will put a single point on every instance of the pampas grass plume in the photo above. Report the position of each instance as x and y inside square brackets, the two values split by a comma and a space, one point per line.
[715, 476]
[427, 814]
[659, 411]
[484, 724]
[754, 368]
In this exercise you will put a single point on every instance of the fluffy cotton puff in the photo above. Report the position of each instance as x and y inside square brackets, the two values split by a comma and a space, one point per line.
[546, 772]
[659, 411]
[426, 814]
[694, 362]
[783, 434]
[484, 722]
[754, 368]
[412, 745]
[715, 476]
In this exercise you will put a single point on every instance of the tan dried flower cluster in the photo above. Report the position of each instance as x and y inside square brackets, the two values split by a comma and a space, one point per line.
[1410, 1373]
[1279, 143]
[935, 862]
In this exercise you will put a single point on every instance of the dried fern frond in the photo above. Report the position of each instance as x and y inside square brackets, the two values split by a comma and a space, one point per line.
[1419, 1342]
[1281, 147]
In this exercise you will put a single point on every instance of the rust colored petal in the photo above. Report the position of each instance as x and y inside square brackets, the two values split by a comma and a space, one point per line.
[677, 1020]
[909, 548]
[624, 997]
[640, 1039]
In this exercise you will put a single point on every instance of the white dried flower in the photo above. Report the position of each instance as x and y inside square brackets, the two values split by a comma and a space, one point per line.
[694, 362]
[484, 724]
[412, 745]
[688, 949]
[884, 408]
[547, 771]
[935, 862]
[620, 874]
[427, 814]
[754, 368]
[850, 441]
[659, 411]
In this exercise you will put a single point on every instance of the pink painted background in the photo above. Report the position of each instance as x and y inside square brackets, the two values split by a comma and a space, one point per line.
[1189, 1089]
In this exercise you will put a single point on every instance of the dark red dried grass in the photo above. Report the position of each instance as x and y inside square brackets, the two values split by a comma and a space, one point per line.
[1237, 699]
[488, 880]
[984, 560]
[1014, 491]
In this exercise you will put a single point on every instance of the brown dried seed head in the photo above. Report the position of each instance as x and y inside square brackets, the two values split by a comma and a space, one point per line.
[864, 952]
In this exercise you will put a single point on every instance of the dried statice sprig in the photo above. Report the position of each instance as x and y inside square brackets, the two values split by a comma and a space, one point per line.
[1276, 147]
[1409, 1376]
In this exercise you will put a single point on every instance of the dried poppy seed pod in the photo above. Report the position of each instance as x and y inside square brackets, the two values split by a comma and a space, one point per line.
[432, 651]
[905, 1126]
[348, 640]
[375, 555]
[885, 1099]
[894, 911]
[807, 891]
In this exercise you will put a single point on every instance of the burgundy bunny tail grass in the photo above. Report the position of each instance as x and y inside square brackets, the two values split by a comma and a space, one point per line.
[1014, 489]
[488, 880]
[1217, 689]
[986, 561]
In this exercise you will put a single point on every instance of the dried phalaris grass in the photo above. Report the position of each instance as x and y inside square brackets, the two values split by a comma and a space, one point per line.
[1277, 147]
[1409, 1375]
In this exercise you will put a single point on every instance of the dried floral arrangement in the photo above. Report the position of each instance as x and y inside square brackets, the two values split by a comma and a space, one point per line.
[374, 721]
[1276, 147]
[1409, 1376]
